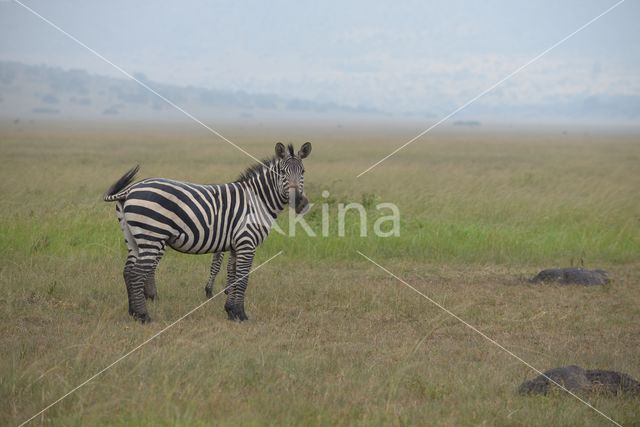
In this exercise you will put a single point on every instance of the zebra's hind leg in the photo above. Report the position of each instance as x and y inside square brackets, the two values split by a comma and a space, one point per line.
[150, 291]
[213, 272]
[132, 254]
[128, 278]
[139, 273]
[235, 300]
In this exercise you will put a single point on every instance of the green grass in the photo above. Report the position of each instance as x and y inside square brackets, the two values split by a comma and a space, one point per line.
[491, 199]
[332, 340]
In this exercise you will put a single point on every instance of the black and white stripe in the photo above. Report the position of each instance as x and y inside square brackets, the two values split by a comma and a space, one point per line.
[196, 219]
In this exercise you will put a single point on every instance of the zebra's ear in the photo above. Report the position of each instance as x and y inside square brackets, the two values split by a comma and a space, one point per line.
[281, 151]
[305, 150]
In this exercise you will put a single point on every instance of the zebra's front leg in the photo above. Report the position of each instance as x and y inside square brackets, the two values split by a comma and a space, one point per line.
[231, 282]
[235, 300]
[231, 272]
[215, 269]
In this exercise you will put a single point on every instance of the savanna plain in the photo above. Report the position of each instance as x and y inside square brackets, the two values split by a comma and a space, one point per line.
[332, 339]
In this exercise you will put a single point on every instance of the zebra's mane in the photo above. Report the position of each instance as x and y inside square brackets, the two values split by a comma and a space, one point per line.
[257, 168]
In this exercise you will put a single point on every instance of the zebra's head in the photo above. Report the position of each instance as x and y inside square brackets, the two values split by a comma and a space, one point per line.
[292, 175]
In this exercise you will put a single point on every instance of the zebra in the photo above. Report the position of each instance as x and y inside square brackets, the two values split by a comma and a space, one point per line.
[191, 218]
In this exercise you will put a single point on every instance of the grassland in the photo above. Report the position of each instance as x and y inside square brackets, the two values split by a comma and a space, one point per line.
[332, 339]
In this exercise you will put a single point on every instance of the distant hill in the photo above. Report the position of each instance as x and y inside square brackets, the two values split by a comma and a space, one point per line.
[29, 91]
[40, 91]
[467, 123]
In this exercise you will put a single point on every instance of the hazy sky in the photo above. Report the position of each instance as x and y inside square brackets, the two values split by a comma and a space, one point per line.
[396, 56]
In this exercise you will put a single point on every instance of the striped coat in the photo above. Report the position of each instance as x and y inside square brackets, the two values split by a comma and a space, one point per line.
[196, 219]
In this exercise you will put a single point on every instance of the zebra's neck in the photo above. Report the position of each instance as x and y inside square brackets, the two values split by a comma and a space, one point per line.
[265, 184]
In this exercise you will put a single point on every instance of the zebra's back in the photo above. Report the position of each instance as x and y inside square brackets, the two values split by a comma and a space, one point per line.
[191, 218]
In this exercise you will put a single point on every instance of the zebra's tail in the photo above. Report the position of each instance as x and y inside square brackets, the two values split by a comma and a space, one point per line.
[119, 189]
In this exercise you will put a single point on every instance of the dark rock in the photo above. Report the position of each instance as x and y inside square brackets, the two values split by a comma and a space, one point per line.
[567, 276]
[578, 380]
[613, 382]
[573, 378]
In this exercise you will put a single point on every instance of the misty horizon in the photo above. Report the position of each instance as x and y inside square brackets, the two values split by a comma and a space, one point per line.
[415, 61]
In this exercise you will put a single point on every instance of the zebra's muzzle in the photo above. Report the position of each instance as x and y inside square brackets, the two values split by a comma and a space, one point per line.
[298, 201]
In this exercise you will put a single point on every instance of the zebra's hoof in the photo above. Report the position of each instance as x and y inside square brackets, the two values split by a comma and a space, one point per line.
[152, 297]
[236, 313]
[209, 292]
[142, 317]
